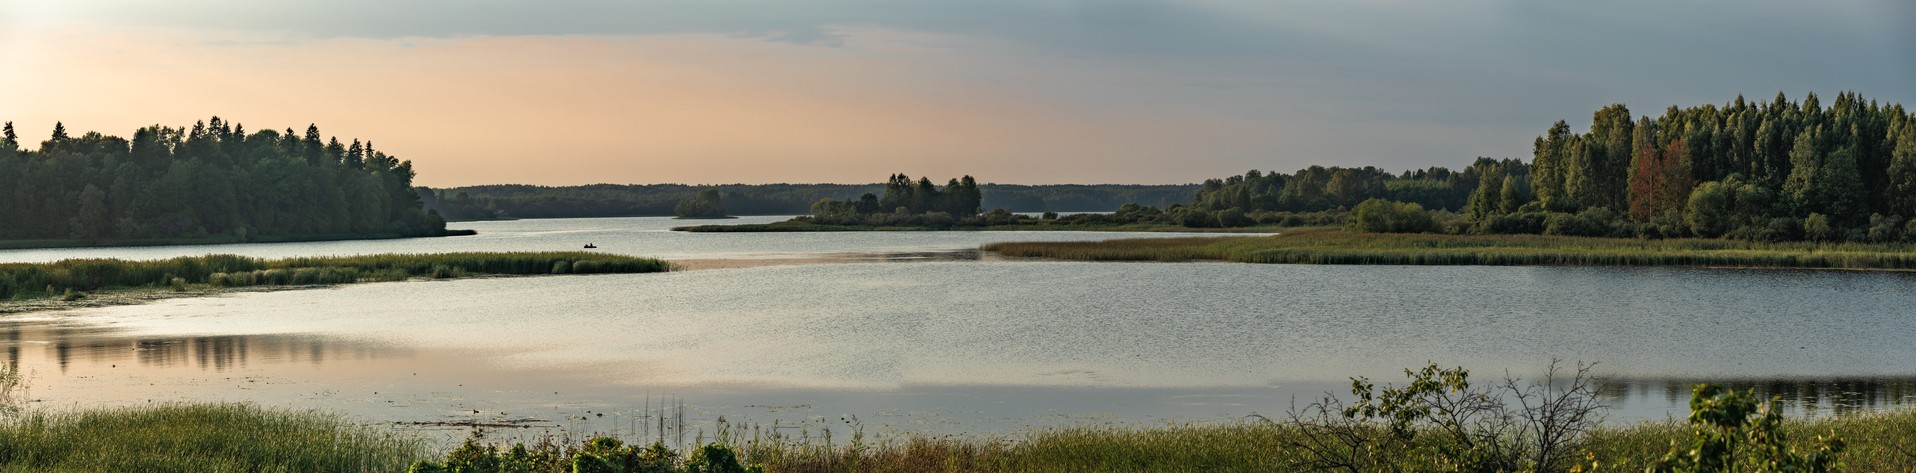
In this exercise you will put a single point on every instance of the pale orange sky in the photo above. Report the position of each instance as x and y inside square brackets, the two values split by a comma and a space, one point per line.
[1061, 102]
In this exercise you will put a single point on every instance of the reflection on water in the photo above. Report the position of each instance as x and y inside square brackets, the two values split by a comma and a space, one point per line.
[66, 344]
[1809, 397]
[439, 391]
[958, 343]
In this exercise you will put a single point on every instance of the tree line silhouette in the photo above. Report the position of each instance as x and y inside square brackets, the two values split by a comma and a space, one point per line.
[615, 200]
[1764, 171]
[214, 181]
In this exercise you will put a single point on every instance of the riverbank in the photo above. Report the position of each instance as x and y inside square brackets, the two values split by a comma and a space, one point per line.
[245, 437]
[94, 282]
[1331, 246]
[1044, 226]
[211, 240]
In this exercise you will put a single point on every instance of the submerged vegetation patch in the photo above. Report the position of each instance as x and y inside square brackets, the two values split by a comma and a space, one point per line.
[1325, 246]
[72, 279]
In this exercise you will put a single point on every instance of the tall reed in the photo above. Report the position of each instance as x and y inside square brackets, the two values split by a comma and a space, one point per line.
[199, 438]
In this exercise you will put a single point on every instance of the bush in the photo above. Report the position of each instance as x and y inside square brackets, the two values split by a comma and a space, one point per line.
[599, 455]
[1884, 229]
[1440, 422]
[1383, 216]
[1515, 223]
[1731, 431]
[1233, 217]
[1817, 227]
[1197, 218]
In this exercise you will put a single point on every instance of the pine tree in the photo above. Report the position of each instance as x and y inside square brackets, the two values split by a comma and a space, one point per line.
[60, 137]
[356, 156]
[1902, 172]
[1548, 162]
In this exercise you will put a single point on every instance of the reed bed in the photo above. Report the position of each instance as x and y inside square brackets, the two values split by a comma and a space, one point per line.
[64, 278]
[243, 437]
[1339, 247]
[1876, 442]
[199, 438]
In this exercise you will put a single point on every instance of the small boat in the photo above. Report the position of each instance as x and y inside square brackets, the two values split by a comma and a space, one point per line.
[590, 246]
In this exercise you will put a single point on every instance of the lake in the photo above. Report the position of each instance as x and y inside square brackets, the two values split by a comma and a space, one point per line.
[916, 339]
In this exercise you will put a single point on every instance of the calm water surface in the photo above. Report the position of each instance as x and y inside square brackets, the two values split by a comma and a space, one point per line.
[993, 347]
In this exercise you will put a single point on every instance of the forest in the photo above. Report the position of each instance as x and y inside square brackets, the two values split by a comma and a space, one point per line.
[611, 200]
[1759, 171]
[212, 182]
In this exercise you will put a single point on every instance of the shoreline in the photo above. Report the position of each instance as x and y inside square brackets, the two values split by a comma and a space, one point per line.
[123, 296]
[1341, 247]
[80, 283]
[224, 240]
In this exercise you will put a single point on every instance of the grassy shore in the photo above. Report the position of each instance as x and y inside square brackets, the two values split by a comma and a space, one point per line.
[199, 438]
[74, 279]
[1331, 246]
[240, 437]
[801, 226]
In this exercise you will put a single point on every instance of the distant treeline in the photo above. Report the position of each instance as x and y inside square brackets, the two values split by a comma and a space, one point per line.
[610, 200]
[1759, 171]
[905, 203]
[213, 181]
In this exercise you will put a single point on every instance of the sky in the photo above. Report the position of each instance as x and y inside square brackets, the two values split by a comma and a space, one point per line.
[565, 92]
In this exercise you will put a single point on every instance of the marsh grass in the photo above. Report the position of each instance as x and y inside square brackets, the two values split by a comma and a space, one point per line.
[37, 280]
[1327, 246]
[1877, 442]
[243, 437]
[199, 438]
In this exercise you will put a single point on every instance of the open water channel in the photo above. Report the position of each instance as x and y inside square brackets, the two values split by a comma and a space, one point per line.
[913, 332]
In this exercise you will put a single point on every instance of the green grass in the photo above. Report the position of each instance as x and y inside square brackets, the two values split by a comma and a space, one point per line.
[199, 438]
[1329, 246]
[243, 437]
[799, 226]
[1875, 443]
[71, 278]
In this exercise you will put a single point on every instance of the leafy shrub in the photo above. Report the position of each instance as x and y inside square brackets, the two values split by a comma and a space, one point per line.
[599, 455]
[1817, 227]
[1732, 431]
[1383, 216]
[1440, 422]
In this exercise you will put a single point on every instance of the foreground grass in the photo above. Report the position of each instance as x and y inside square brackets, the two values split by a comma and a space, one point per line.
[1329, 246]
[72, 279]
[199, 438]
[240, 437]
[1043, 226]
